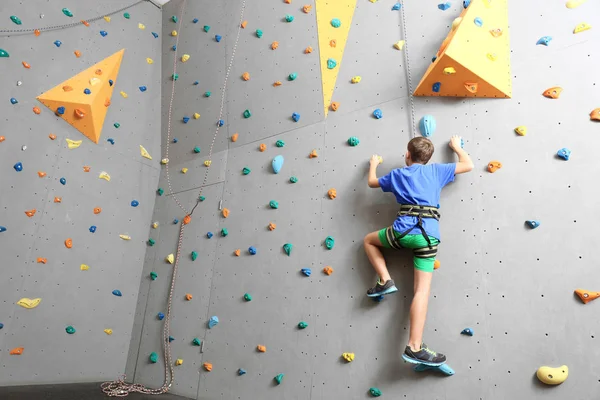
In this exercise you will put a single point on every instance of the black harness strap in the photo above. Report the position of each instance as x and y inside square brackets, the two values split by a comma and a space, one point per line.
[420, 212]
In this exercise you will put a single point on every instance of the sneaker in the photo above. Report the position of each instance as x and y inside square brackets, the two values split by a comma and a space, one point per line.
[380, 290]
[424, 356]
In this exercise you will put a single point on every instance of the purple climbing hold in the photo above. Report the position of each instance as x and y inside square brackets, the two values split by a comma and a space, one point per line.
[18, 167]
[93, 228]
[117, 293]
[135, 203]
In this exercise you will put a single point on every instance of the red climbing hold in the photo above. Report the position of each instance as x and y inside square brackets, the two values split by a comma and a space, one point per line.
[69, 243]
[2, 139]
[36, 32]
[30, 213]
[85, 22]
[86, 168]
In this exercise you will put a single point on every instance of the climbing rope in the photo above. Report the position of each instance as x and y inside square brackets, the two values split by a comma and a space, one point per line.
[407, 61]
[119, 388]
[72, 24]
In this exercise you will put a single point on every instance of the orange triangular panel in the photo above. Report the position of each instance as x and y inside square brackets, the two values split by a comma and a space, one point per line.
[86, 112]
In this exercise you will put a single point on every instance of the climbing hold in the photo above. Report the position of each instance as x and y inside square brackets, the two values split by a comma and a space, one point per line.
[496, 32]
[164, 161]
[143, 88]
[2, 229]
[247, 297]
[273, 204]
[595, 114]
[262, 147]
[194, 255]
[478, 22]
[279, 378]
[41, 260]
[309, 50]
[13, 100]
[328, 270]
[206, 28]
[224, 232]
[288, 248]
[207, 366]
[532, 224]
[396, 7]
[145, 153]
[209, 234]
[261, 348]
[586, 296]
[58, 199]
[4, 53]
[332, 193]
[117, 125]
[574, 3]
[141, 26]
[277, 83]
[336, 23]
[218, 38]
[466, 3]
[69, 243]
[246, 171]
[349, 357]
[334, 106]
[553, 376]
[553, 93]
[355, 79]
[521, 130]
[160, 316]
[444, 6]
[15, 19]
[252, 250]
[467, 331]
[93, 229]
[329, 242]
[436, 264]
[155, 224]
[196, 149]
[427, 125]
[188, 297]
[449, 71]
[247, 114]
[280, 143]
[244, 24]
[296, 117]
[289, 18]
[564, 153]
[26, 65]
[399, 45]
[582, 27]
[259, 33]
[57, 43]
[237, 252]
[375, 392]
[41, 174]
[213, 321]
[306, 271]
[173, 33]
[292, 76]
[302, 325]
[436, 87]
[17, 351]
[377, 113]
[313, 154]
[70, 330]
[353, 141]
[153, 358]
[84, 267]
[331, 63]
[2, 139]
[170, 258]
[179, 361]
[153, 275]
[105, 176]
[544, 40]
[117, 293]
[272, 226]
[225, 212]
[18, 167]
[36, 110]
[103, 33]
[135, 203]
[63, 181]
[26, 302]
[221, 122]
[30, 213]
[471, 87]
[110, 140]
[196, 342]
[241, 371]
[277, 164]
[494, 166]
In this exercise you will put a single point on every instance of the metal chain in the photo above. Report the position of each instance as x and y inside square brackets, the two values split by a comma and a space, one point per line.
[119, 388]
[410, 94]
[72, 24]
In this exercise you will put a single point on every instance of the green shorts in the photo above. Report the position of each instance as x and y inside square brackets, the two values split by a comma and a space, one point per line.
[414, 242]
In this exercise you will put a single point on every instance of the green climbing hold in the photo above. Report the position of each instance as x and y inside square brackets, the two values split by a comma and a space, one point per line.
[247, 114]
[224, 232]
[194, 255]
[153, 275]
[207, 94]
[353, 141]
[302, 325]
[280, 143]
[289, 18]
[375, 392]
[246, 171]
[279, 378]
[126, 15]
[336, 23]
[247, 297]
[206, 28]
[70, 330]
[292, 76]
[117, 125]
[274, 204]
[259, 33]
[151, 242]
[196, 149]
[175, 76]
[67, 12]
[201, 198]
[196, 342]
[329, 242]
[15, 19]
[288, 248]
[293, 179]
[160, 191]
[174, 18]
[153, 358]
[4, 53]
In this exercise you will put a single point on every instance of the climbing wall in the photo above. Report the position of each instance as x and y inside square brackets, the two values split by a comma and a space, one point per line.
[75, 284]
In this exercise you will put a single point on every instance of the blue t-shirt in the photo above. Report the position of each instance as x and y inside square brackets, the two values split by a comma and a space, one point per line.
[420, 185]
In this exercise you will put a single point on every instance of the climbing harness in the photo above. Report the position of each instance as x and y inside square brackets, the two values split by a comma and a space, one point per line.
[119, 388]
[418, 212]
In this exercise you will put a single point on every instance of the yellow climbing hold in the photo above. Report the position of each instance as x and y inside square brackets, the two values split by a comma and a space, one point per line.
[73, 144]
[521, 130]
[107, 18]
[108, 331]
[207, 163]
[94, 81]
[105, 176]
[399, 45]
[145, 153]
[179, 361]
[582, 27]
[492, 56]
[575, 3]
[184, 170]
[123, 94]
[170, 258]
[149, 60]
[456, 22]
[196, 115]
[185, 57]
[125, 237]
[173, 33]
[348, 356]
[141, 26]
[449, 70]
[155, 225]
[355, 79]
[164, 161]
[553, 376]
[29, 303]
[84, 267]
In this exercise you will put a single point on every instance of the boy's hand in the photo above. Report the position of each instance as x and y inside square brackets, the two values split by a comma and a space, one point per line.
[455, 142]
[375, 160]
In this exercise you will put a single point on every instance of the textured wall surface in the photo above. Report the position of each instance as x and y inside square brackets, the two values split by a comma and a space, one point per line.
[82, 299]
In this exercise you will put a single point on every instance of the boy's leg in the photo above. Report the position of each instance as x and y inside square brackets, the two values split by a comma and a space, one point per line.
[418, 308]
[373, 243]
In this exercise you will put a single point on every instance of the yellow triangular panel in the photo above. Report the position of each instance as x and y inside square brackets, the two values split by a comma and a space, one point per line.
[480, 55]
[84, 112]
[327, 10]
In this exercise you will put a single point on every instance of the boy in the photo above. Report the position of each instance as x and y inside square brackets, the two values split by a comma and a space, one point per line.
[417, 189]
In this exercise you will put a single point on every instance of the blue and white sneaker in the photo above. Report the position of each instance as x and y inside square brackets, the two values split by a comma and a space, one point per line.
[424, 356]
[382, 289]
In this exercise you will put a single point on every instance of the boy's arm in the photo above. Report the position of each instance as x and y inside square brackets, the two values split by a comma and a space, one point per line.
[464, 164]
[373, 181]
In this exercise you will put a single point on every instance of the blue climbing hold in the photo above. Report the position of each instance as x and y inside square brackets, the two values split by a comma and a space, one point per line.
[160, 316]
[175, 140]
[2, 326]
[479, 22]
[195, 20]
[186, 120]
[444, 6]
[213, 321]
[196, 83]
[63, 181]
[143, 88]
[2, 229]
[18, 167]
[466, 3]
[544, 40]
[57, 43]
[13, 100]
[87, 91]
[135, 203]
[252, 250]
[467, 331]
[117, 292]
[436, 87]
[110, 82]
[296, 117]
[103, 33]
[277, 164]
[171, 338]
[209, 234]
[462, 144]
[396, 7]
[93, 229]
[564, 153]
[427, 125]
[241, 371]
[60, 110]
[174, 47]
[111, 141]
[218, 38]
[533, 223]
[155, 35]
[221, 122]
[175, 221]
[378, 114]
[306, 271]
[331, 63]
[336, 23]
[433, 59]
[378, 298]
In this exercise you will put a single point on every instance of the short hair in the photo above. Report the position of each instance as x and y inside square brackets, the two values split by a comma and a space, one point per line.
[420, 149]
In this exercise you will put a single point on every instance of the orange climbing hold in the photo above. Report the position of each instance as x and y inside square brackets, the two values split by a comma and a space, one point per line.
[225, 212]
[36, 110]
[308, 50]
[187, 219]
[79, 113]
[77, 53]
[332, 193]
[69, 243]
[235, 137]
[246, 76]
[261, 348]
[274, 45]
[595, 115]
[313, 154]
[328, 270]
[436, 264]
[272, 226]
[17, 351]
[494, 166]
[41, 174]
[262, 147]
[288, 1]
[97, 210]
[332, 43]
[471, 87]
[86, 168]
[85, 22]
[30, 213]
[98, 71]
[67, 88]
[586, 296]
[244, 24]
[2, 139]
[41, 260]
[237, 252]
[26, 64]
[188, 297]
[107, 102]
[58, 199]
[52, 136]
[334, 106]
[207, 366]
[36, 32]
[307, 8]
[553, 93]
[277, 83]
